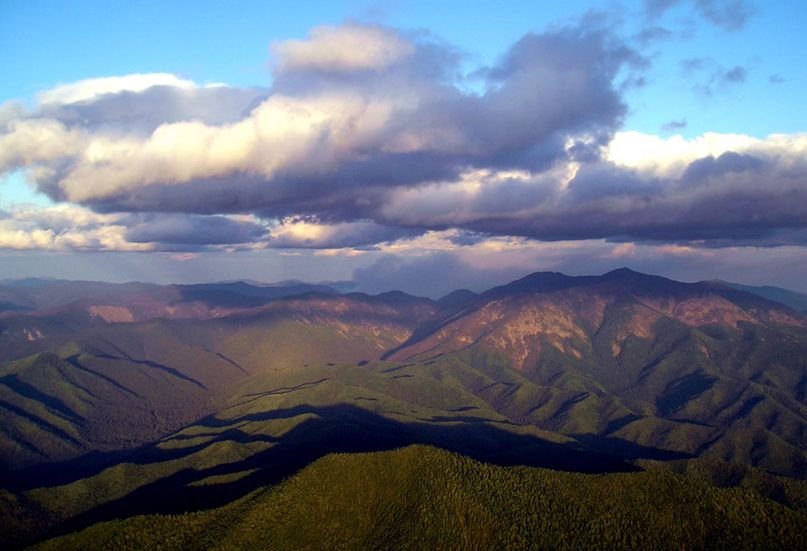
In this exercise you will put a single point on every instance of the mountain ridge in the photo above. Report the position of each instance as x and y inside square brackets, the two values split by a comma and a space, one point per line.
[220, 386]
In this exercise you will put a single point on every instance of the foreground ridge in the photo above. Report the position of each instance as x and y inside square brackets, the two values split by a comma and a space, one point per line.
[422, 497]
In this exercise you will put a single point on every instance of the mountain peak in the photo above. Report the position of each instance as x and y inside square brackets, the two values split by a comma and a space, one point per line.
[536, 282]
[623, 271]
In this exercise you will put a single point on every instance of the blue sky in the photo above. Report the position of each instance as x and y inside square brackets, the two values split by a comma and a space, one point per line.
[45, 43]
[713, 67]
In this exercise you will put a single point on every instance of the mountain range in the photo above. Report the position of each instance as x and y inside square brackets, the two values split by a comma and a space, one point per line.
[119, 400]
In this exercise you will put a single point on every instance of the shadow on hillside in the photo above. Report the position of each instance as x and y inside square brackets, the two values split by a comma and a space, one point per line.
[332, 429]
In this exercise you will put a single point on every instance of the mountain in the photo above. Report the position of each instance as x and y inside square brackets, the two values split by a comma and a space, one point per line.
[793, 299]
[632, 363]
[428, 498]
[121, 302]
[41, 314]
[203, 395]
[102, 385]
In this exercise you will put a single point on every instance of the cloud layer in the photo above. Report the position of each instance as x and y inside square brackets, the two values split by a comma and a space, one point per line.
[369, 136]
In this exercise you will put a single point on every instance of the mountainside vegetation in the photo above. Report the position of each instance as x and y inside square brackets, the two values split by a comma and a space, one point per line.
[421, 497]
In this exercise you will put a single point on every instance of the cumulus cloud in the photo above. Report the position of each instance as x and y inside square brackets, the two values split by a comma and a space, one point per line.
[366, 139]
[140, 112]
[351, 47]
[67, 227]
[706, 192]
[302, 234]
[89, 89]
[325, 131]
[178, 229]
[63, 228]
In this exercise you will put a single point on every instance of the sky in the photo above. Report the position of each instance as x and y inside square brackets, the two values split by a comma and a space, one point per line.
[423, 146]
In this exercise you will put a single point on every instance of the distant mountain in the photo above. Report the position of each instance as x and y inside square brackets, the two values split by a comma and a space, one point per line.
[797, 301]
[102, 386]
[50, 313]
[138, 399]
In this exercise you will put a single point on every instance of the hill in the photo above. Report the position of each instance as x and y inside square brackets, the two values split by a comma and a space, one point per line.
[422, 497]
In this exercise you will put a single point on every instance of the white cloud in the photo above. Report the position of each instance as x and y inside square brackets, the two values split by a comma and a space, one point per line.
[90, 89]
[330, 122]
[349, 47]
[64, 228]
[293, 233]
[669, 157]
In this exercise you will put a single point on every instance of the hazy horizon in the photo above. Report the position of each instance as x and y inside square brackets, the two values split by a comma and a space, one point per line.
[429, 289]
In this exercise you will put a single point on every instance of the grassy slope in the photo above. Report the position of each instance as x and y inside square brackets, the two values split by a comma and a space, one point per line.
[421, 497]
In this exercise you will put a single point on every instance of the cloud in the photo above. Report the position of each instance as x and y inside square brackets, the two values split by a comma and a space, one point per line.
[717, 77]
[734, 75]
[354, 111]
[693, 64]
[654, 33]
[729, 15]
[179, 229]
[367, 139]
[91, 89]
[300, 234]
[141, 112]
[351, 47]
[63, 228]
[67, 227]
[706, 192]
[673, 125]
